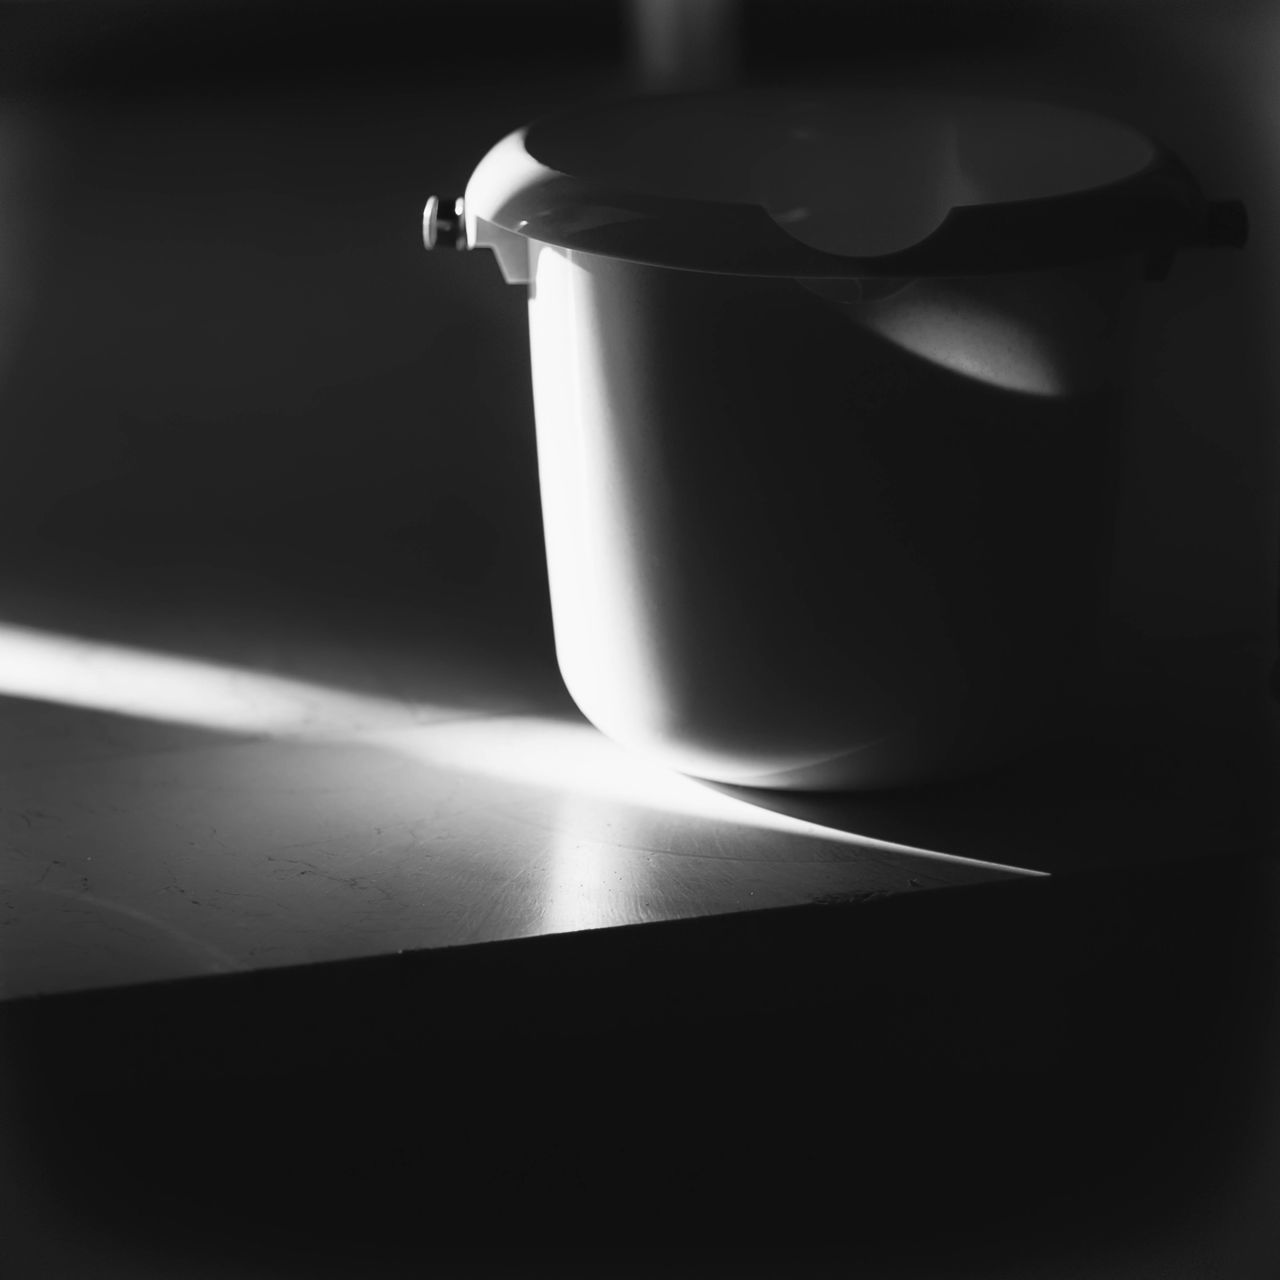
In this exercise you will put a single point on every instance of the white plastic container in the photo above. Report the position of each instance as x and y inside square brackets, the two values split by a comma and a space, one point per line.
[826, 386]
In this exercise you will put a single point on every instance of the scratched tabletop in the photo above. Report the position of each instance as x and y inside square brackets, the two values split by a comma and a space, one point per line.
[167, 815]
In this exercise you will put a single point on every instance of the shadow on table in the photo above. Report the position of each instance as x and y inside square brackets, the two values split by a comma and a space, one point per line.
[1166, 793]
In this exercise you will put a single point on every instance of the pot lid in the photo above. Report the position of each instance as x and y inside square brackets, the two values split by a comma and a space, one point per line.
[838, 183]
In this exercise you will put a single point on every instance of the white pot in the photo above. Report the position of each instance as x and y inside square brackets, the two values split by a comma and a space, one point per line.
[826, 391]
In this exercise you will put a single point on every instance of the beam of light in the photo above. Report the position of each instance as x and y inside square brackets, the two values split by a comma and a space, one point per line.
[581, 886]
[880, 178]
[1040, 336]
[123, 680]
[575, 758]
[980, 342]
[563, 758]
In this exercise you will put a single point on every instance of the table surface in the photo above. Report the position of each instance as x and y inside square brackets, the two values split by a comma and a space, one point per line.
[168, 817]
[183, 795]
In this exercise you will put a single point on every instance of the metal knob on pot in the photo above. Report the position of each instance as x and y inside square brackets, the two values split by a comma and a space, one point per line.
[444, 224]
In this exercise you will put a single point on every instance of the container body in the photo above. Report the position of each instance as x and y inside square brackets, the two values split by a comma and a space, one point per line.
[830, 535]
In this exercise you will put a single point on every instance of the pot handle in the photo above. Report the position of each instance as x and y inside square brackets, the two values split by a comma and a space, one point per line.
[445, 225]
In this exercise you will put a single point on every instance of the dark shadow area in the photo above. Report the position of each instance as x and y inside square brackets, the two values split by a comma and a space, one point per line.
[1039, 1079]
[1180, 758]
[207, 48]
[1166, 791]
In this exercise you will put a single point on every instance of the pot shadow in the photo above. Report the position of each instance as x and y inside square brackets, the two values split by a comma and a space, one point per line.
[1172, 790]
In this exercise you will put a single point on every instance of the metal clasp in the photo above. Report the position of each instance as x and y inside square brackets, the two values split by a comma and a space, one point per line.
[444, 224]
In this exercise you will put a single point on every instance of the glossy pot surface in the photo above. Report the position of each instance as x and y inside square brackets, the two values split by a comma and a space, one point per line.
[828, 388]
[798, 540]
